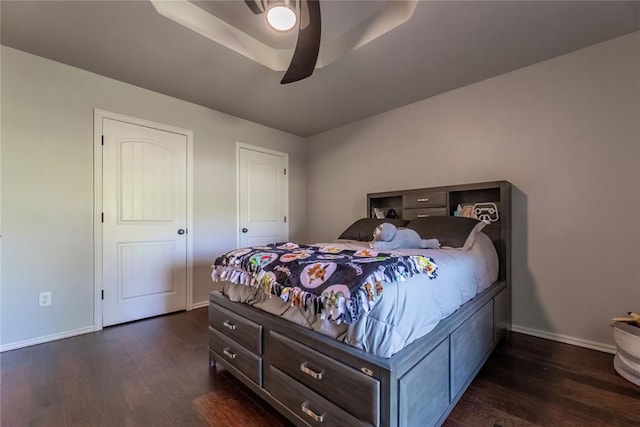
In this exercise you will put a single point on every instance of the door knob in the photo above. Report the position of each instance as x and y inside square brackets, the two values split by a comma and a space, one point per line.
[181, 231]
[244, 230]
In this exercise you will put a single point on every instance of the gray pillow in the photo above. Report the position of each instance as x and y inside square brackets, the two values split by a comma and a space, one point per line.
[452, 231]
[362, 229]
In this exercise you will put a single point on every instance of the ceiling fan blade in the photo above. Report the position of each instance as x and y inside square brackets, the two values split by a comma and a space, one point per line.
[305, 55]
[255, 6]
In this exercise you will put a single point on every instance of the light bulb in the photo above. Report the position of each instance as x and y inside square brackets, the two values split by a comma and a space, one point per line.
[281, 18]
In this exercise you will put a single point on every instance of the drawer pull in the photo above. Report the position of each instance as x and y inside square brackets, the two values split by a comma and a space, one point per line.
[229, 325]
[422, 216]
[426, 199]
[306, 410]
[314, 374]
[228, 353]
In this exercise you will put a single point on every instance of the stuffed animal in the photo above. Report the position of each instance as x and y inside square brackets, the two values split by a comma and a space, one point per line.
[387, 237]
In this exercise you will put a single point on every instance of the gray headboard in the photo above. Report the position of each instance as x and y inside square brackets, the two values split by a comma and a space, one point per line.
[432, 201]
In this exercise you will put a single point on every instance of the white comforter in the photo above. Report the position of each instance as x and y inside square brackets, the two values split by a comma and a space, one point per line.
[406, 310]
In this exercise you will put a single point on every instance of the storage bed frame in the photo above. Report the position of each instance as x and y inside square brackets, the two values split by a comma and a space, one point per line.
[315, 380]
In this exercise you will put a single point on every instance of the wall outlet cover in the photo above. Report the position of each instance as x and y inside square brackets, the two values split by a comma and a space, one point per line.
[45, 299]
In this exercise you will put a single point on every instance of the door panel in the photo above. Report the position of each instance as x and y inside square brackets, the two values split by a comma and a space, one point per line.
[146, 173]
[136, 279]
[263, 199]
[145, 204]
[263, 196]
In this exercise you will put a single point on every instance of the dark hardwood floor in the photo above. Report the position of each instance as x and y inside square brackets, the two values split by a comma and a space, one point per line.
[155, 372]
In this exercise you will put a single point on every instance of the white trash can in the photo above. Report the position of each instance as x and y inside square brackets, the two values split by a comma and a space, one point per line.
[627, 360]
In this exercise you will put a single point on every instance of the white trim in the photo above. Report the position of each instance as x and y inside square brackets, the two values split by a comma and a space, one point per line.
[45, 338]
[201, 304]
[190, 231]
[98, 116]
[240, 145]
[97, 224]
[605, 348]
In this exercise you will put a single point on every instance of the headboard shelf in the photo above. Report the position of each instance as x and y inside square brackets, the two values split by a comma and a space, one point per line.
[412, 203]
[386, 203]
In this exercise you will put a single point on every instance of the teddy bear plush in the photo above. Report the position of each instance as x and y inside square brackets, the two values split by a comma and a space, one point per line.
[387, 237]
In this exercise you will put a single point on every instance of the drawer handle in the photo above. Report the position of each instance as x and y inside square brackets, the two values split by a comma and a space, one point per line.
[314, 374]
[306, 410]
[422, 216]
[229, 325]
[228, 353]
[426, 199]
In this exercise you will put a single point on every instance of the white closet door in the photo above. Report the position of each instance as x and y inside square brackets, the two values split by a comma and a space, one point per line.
[263, 198]
[145, 215]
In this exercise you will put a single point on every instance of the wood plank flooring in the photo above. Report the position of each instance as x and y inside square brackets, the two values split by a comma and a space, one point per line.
[530, 381]
[155, 373]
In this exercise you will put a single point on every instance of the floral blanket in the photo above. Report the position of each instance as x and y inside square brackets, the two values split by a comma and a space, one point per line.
[336, 283]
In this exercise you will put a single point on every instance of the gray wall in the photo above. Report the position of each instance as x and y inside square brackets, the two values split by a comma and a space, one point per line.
[47, 186]
[565, 132]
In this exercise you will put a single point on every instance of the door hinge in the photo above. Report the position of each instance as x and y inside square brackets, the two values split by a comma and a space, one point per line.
[102, 217]
[285, 171]
[102, 143]
[285, 218]
[103, 294]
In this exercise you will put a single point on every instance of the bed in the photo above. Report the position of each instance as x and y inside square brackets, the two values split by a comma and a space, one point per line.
[396, 365]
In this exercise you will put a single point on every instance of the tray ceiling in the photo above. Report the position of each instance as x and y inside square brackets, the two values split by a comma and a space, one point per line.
[445, 45]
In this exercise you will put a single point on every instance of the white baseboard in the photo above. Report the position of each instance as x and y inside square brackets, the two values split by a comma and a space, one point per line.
[67, 334]
[200, 304]
[45, 338]
[606, 348]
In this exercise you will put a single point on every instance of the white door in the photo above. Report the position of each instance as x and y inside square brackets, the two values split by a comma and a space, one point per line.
[145, 213]
[263, 196]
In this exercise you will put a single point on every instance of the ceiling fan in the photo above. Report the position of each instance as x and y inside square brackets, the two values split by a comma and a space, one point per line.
[282, 12]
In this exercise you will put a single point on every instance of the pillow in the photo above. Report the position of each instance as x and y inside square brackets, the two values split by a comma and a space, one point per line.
[452, 231]
[362, 229]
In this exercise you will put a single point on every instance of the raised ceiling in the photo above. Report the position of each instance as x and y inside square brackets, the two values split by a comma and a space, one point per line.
[346, 27]
[338, 16]
[445, 45]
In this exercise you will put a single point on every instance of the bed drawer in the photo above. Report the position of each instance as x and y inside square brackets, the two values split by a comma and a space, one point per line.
[424, 199]
[236, 355]
[469, 345]
[327, 377]
[413, 213]
[309, 406]
[424, 393]
[239, 329]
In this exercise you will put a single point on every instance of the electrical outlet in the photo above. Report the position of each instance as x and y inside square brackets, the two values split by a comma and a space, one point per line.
[45, 298]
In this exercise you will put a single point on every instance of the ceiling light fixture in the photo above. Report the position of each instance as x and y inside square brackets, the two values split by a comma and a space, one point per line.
[280, 15]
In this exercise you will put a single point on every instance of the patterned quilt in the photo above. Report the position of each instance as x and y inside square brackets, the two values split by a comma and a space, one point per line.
[336, 283]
